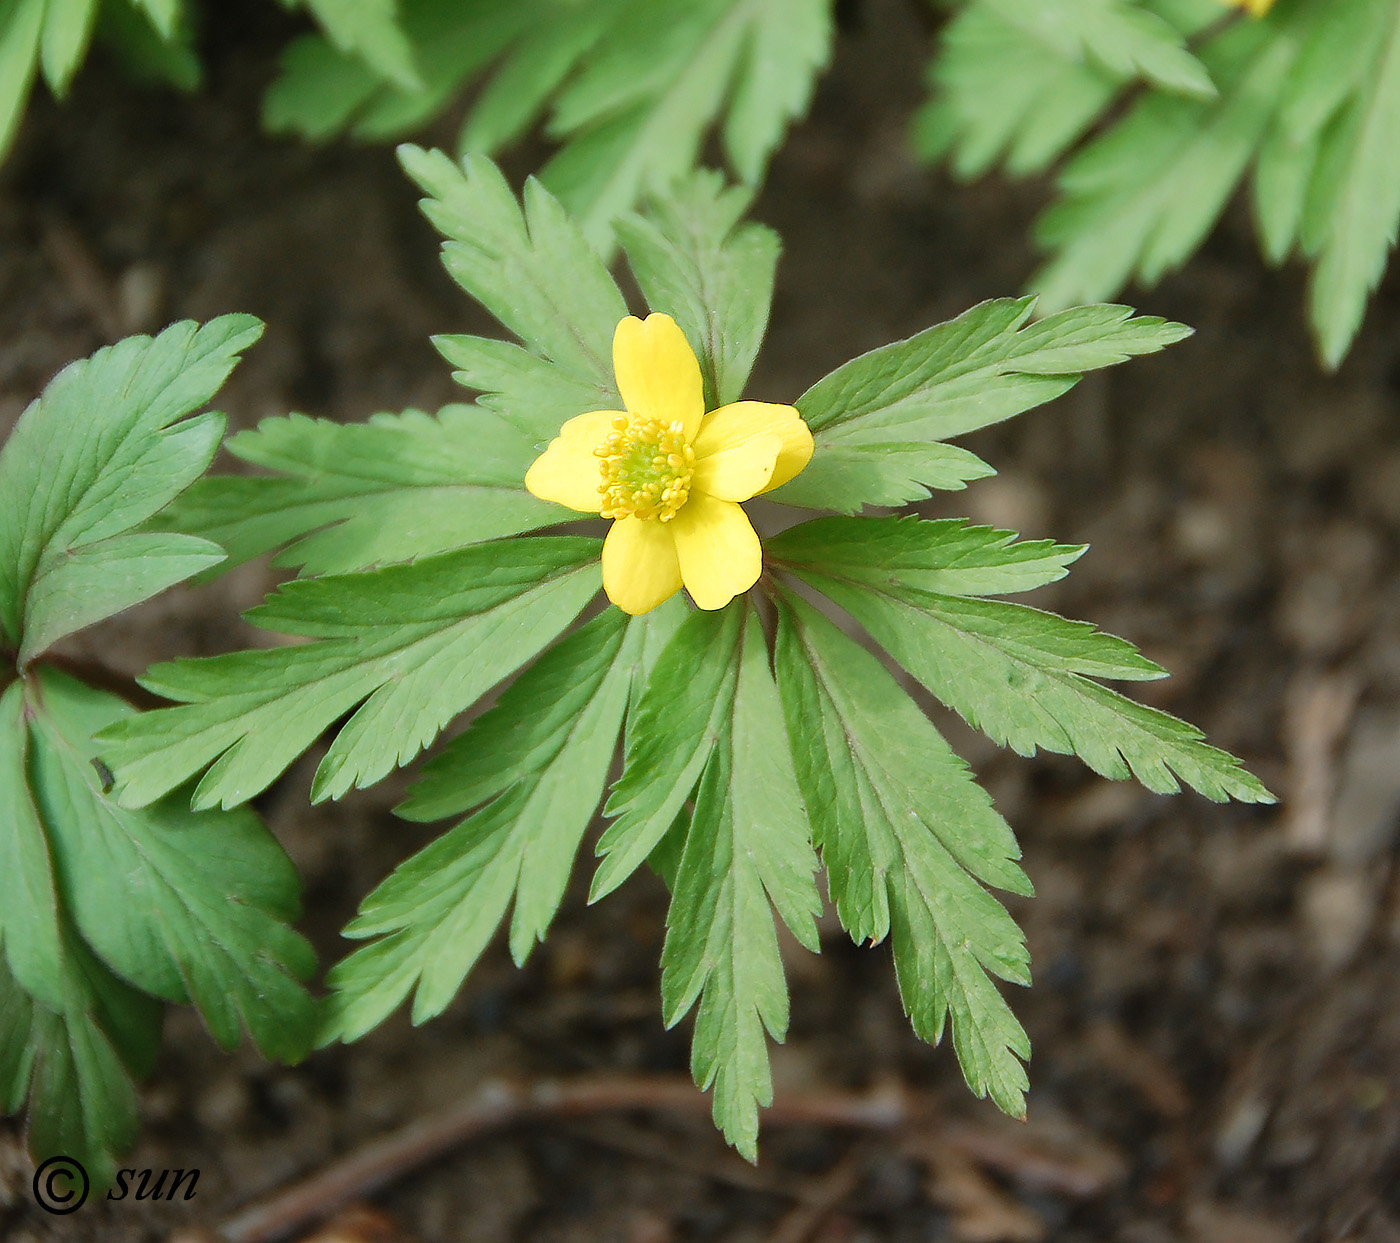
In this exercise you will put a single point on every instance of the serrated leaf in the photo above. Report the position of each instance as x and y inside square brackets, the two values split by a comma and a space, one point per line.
[1121, 35]
[70, 480]
[672, 732]
[906, 834]
[534, 272]
[1359, 176]
[435, 915]
[1140, 198]
[875, 417]
[534, 69]
[1024, 684]
[369, 29]
[999, 92]
[189, 907]
[353, 496]
[747, 853]
[634, 118]
[103, 578]
[527, 727]
[30, 931]
[408, 647]
[323, 90]
[71, 1035]
[947, 555]
[75, 1065]
[713, 275]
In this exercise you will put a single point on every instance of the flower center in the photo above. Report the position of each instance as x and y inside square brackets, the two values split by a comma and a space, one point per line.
[645, 468]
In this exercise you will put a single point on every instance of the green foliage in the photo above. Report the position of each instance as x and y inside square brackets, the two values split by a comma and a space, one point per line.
[631, 87]
[1018, 674]
[906, 835]
[747, 853]
[881, 420]
[408, 647]
[744, 759]
[1306, 104]
[105, 911]
[358, 496]
[541, 757]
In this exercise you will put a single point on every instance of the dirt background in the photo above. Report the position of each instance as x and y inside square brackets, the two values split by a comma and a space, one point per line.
[1215, 1019]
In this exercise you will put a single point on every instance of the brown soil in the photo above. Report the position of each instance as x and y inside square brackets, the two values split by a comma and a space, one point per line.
[1215, 1020]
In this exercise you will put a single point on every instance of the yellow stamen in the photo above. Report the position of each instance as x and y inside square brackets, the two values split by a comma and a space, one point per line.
[645, 467]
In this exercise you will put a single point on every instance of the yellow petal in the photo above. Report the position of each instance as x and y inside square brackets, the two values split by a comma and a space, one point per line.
[736, 423]
[719, 553]
[567, 473]
[592, 427]
[739, 472]
[657, 373]
[640, 567]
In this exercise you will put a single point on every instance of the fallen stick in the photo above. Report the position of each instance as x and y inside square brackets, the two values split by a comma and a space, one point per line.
[500, 1104]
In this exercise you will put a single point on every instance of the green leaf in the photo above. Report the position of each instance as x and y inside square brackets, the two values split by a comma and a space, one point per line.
[105, 577]
[104, 448]
[67, 30]
[144, 53]
[323, 90]
[76, 1065]
[946, 555]
[906, 834]
[1142, 197]
[370, 30]
[747, 852]
[999, 91]
[71, 1035]
[351, 497]
[545, 772]
[189, 907]
[534, 272]
[1122, 36]
[874, 418]
[1353, 210]
[634, 118]
[30, 927]
[21, 25]
[1022, 677]
[714, 276]
[164, 16]
[411, 645]
[677, 719]
[543, 58]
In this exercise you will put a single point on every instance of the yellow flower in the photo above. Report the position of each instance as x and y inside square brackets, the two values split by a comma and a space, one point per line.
[1256, 7]
[669, 475]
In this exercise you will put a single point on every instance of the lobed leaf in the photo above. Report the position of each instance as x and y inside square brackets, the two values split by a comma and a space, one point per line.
[946, 555]
[906, 834]
[694, 260]
[674, 728]
[545, 775]
[878, 418]
[747, 852]
[408, 647]
[189, 907]
[72, 484]
[354, 496]
[1022, 677]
